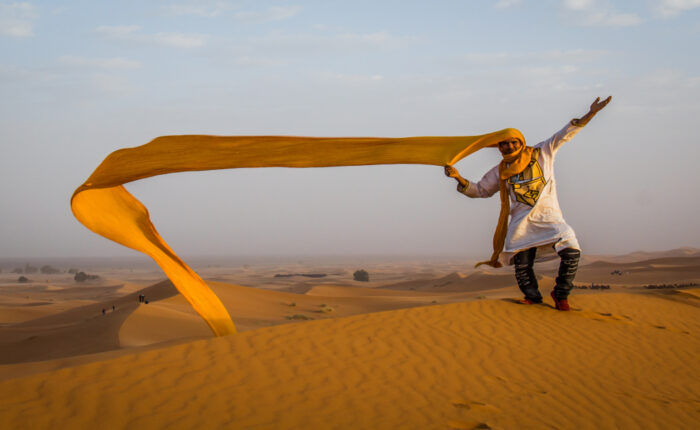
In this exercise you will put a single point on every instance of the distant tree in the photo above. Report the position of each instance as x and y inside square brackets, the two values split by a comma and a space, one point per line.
[17, 270]
[82, 277]
[22, 280]
[361, 275]
[48, 270]
[28, 268]
[72, 271]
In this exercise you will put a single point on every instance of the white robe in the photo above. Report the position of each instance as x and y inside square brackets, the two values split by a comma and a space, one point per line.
[535, 217]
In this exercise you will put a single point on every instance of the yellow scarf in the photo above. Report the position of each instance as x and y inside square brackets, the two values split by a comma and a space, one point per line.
[104, 206]
[512, 164]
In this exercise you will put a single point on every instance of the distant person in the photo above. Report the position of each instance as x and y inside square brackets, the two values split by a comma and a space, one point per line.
[525, 179]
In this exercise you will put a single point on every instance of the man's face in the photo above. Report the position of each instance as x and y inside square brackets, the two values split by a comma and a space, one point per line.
[509, 146]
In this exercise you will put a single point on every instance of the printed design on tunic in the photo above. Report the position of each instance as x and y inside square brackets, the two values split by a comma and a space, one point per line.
[527, 186]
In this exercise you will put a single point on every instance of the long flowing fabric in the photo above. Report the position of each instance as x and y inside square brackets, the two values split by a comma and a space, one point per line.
[104, 206]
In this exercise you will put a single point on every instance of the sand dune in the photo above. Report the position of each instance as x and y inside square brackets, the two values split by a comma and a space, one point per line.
[646, 255]
[438, 349]
[37, 329]
[172, 318]
[656, 270]
[457, 282]
[168, 317]
[616, 361]
[80, 330]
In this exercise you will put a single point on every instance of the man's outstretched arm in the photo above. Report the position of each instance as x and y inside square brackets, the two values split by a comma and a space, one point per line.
[486, 187]
[453, 173]
[595, 108]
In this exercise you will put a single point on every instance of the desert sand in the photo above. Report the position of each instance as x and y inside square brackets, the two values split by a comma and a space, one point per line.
[420, 346]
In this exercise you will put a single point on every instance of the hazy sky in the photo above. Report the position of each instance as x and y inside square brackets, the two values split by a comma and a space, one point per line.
[80, 79]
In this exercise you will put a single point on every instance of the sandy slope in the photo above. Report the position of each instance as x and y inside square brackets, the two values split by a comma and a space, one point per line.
[79, 330]
[619, 361]
[48, 322]
[173, 318]
[168, 317]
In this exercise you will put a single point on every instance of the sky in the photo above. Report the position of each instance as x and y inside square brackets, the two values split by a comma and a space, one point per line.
[80, 79]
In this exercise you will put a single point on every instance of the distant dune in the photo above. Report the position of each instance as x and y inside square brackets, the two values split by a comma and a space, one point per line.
[456, 282]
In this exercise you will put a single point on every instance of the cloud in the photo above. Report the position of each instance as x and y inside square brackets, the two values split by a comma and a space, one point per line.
[504, 4]
[111, 84]
[354, 79]
[256, 61]
[17, 19]
[381, 38]
[503, 58]
[118, 31]
[671, 8]
[99, 63]
[181, 40]
[273, 13]
[133, 33]
[578, 4]
[279, 46]
[599, 13]
[206, 9]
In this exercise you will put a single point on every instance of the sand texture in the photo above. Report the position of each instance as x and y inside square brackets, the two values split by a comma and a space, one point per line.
[421, 346]
[616, 361]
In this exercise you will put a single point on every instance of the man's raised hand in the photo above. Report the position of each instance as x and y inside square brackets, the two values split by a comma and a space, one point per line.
[598, 105]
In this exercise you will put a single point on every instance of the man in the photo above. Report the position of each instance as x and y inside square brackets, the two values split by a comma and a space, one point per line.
[525, 179]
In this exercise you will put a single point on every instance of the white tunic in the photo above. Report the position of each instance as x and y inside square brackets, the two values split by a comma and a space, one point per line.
[535, 217]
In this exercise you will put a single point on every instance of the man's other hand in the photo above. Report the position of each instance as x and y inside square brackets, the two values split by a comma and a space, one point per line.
[451, 172]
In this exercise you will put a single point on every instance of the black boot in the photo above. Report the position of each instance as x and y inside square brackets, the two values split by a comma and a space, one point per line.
[525, 275]
[567, 272]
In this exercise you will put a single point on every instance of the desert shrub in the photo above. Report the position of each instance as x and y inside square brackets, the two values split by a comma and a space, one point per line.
[665, 286]
[22, 280]
[48, 270]
[361, 275]
[82, 277]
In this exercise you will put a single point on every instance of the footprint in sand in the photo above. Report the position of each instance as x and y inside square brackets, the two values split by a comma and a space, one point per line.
[471, 424]
[603, 316]
[473, 405]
